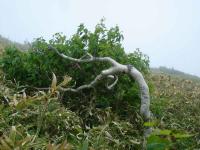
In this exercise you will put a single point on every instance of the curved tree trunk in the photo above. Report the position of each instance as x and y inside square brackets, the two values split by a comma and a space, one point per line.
[144, 93]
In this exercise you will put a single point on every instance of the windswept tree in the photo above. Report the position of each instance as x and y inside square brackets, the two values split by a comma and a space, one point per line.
[112, 73]
[104, 74]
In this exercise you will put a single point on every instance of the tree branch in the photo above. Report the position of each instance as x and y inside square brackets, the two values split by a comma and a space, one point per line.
[113, 70]
[81, 60]
[109, 87]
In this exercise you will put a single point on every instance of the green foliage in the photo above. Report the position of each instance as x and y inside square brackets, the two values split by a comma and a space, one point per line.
[40, 121]
[13, 62]
[81, 120]
[36, 117]
[115, 135]
[5, 42]
[165, 139]
[94, 118]
[35, 66]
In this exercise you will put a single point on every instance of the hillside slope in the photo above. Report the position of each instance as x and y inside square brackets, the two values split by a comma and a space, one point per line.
[175, 106]
[4, 42]
[175, 103]
[175, 73]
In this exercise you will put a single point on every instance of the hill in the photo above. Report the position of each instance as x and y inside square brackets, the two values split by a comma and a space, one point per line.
[4, 42]
[175, 73]
[176, 102]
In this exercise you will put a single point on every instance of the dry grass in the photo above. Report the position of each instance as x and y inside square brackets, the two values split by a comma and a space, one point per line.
[176, 103]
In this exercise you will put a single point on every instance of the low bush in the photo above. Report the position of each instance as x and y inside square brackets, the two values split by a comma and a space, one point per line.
[34, 67]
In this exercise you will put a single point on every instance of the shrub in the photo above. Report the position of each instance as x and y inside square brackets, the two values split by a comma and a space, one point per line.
[35, 66]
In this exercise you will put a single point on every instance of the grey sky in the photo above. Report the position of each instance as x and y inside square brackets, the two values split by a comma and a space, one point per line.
[166, 30]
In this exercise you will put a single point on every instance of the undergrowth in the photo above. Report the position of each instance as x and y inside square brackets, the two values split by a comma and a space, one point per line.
[41, 121]
[175, 105]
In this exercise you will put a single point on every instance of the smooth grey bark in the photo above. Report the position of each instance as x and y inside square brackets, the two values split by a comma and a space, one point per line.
[112, 73]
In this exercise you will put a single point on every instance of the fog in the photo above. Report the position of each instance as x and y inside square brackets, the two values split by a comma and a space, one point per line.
[168, 31]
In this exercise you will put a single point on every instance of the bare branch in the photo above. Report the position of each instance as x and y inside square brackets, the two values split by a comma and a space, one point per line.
[109, 87]
[104, 74]
[87, 54]
[111, 76]
[86, 86]
[110, 72]
[90, 59]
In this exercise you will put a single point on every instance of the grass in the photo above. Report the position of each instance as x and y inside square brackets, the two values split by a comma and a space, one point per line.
[39, 120]
[175, 104]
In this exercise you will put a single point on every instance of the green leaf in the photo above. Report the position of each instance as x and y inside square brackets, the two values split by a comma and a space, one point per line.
[154, 142]
[85, 145]
[180, 135]
[162, 132]
[149, 124]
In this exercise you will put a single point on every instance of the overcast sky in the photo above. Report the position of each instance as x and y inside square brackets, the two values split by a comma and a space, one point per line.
[166, 30]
